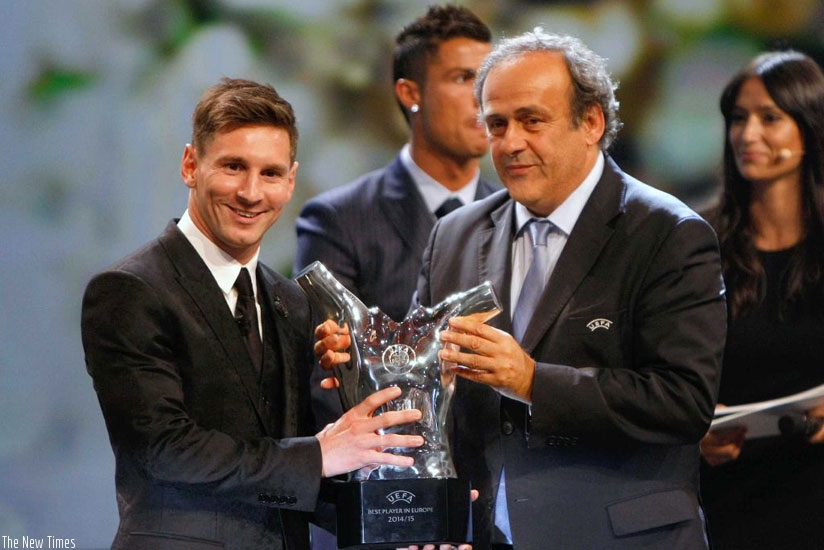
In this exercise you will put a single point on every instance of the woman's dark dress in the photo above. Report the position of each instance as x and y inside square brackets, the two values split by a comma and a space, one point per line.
[773, 495]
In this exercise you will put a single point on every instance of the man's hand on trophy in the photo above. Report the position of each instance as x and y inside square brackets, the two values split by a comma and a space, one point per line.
[489, 356]
[354, 441]
[330, 348]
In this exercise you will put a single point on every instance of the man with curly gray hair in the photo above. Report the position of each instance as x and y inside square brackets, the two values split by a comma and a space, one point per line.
[578, 410]
[591, 79]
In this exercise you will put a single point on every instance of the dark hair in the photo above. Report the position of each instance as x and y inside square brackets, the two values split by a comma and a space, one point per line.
[419, 41]
[796, 84]
[591, 82]
[234, 103]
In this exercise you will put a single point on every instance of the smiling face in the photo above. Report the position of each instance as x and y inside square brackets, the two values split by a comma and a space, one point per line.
[448, 117]
[766, 141]
[239, 185]
[539, 154]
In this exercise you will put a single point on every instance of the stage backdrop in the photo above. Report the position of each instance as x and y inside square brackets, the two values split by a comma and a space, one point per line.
[95, 99]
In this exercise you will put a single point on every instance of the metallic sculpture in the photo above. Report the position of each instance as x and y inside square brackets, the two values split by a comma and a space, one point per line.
[405, 354]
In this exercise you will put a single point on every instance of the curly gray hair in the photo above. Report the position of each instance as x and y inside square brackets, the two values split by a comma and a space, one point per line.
[591, 80]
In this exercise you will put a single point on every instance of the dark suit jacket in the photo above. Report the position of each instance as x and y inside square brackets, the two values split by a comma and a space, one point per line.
[371, 234]
[207, 452]
[628, 338]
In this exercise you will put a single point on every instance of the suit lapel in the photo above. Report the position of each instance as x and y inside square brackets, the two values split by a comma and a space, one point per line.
[195, 278]
[590, 234]
[494, 259]
[405, 208]
[284, 378]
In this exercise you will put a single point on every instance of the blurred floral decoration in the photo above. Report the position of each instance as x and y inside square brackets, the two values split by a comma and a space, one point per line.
[96, 99]
[671, 58]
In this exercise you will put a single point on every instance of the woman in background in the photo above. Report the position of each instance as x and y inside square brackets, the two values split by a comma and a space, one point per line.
[769, 492]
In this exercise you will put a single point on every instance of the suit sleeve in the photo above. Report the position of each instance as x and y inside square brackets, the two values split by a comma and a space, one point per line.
[137, 345]
[665, 390]
[322, 236]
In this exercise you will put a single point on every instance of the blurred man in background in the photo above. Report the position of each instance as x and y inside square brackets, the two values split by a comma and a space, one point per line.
[371, 233]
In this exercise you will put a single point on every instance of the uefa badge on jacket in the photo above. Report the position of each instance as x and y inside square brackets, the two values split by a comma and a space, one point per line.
[425, 503]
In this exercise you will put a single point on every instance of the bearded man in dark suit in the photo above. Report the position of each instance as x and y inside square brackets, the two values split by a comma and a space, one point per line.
[210, 421]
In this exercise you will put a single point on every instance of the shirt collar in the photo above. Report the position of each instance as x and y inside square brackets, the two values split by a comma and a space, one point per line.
[222, 266]
[431, 190]
[567, 213]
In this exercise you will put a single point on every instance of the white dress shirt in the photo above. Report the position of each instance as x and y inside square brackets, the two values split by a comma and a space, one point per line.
[563, 219]
[223, 267]
[434, 194]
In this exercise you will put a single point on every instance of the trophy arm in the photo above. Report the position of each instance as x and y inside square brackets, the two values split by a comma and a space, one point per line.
[347, 375]
[330, 297]
[480, 302]
[331, 300]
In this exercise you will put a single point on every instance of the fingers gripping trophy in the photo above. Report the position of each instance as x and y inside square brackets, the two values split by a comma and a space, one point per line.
[426, 502]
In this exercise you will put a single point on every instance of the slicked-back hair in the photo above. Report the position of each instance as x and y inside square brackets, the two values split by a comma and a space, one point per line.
[591, 81]
[795, 83]
[234, 103]
[417, 44]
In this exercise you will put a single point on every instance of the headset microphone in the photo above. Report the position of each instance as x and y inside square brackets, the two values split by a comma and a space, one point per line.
[785, 153]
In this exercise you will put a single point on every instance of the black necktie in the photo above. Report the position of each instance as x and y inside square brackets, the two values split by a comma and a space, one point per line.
[448, 206]
[246, 316]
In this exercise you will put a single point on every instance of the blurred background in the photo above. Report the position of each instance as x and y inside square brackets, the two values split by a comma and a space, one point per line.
[95, 100]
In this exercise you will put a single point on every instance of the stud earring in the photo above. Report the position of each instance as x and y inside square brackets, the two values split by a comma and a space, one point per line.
[414, 108]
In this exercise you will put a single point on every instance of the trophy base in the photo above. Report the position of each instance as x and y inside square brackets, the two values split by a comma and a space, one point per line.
[399, 512]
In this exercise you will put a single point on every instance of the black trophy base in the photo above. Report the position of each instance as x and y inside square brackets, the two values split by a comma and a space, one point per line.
[398, 512]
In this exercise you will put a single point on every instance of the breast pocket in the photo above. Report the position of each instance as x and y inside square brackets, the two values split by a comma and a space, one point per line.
[598, 336]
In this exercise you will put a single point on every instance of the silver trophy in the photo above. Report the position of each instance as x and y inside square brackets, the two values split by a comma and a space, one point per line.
[425, 502]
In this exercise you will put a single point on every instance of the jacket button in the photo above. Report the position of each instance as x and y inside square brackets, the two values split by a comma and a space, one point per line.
[507, 428]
